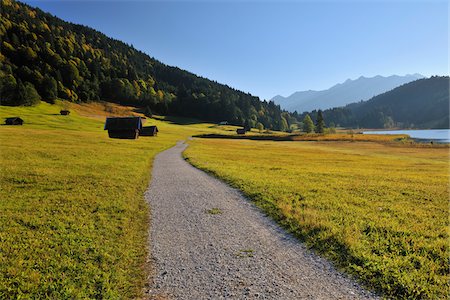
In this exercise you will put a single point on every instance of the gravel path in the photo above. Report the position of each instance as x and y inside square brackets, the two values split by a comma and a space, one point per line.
[232, 251]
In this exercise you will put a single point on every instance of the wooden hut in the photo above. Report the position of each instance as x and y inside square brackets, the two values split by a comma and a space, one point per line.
[149, 131]
[64, 112]
[123, 127]
[240, 131]
[13, 121]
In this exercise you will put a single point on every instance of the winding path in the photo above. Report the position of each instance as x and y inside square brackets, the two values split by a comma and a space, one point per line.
[208, 242]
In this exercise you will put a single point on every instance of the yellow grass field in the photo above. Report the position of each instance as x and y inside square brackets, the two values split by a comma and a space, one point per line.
[73, 221]
[378, 211]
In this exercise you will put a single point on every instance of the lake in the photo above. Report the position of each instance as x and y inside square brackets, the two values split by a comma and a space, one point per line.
[437, 135]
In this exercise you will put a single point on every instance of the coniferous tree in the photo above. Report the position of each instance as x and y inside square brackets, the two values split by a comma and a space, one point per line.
[26, 94]
[148, 112]
[308, 125]
[8, 86]
[320, 123]
[247, 125]
[49, 89]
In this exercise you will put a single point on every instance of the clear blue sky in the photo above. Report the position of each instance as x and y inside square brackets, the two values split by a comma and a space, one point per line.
[269, 48]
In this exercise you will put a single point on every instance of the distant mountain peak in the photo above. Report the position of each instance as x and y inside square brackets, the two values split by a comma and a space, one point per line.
[418, 75]
[341, 94]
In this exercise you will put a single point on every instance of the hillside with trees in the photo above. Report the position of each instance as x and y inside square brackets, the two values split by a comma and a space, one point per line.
[423, 103]
[44, 58]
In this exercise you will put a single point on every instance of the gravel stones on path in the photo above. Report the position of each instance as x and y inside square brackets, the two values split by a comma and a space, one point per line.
[208, 242]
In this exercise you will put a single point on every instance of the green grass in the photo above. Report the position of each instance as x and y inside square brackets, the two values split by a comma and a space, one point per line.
[73, 220]
[46, 116]
[378, 211]
[214, 211]
[245, 253]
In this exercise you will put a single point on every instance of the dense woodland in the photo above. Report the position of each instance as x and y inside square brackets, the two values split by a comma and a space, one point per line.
[44, 58]
[423, 103]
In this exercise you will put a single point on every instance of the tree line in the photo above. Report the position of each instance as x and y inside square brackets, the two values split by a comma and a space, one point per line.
[44, 58]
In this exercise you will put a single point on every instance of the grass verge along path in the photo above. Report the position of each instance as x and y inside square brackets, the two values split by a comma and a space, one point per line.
[377, 211]
[73, 220]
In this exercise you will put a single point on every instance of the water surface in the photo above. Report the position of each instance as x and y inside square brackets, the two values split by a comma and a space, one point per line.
[437, 135]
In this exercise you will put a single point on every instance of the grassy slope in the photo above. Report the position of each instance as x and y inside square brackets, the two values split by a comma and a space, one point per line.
[73, 222]
[378, 211]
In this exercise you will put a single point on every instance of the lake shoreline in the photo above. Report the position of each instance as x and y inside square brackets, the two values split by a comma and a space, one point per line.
[441, 136]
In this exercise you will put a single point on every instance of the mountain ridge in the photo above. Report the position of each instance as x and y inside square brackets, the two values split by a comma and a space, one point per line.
[341, 94]
[423, 103]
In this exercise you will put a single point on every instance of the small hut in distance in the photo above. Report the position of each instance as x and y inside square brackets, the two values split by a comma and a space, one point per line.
[13, 121]
[123, 127]
[240, 131]
[64, 112]
[149, 131]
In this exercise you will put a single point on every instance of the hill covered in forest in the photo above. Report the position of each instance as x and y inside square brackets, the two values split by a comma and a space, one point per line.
[423, 103]
[44, 57]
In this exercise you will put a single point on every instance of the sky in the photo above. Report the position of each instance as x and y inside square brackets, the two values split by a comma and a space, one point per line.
[270, 48]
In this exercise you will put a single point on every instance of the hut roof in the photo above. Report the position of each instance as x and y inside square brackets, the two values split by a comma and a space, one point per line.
[123, 123]
[10, 119]
[13, 121]
[148, 130]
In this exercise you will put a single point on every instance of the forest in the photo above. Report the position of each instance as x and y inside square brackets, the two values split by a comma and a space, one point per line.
[423, 103]
[45, 58]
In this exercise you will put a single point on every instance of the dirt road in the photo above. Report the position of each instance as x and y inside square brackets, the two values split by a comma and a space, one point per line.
[209, 242]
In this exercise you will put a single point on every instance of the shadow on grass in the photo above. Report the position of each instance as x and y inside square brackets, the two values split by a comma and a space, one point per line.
[179, 120]
[248, 137]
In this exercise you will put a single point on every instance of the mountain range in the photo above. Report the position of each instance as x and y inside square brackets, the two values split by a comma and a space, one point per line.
[423, 103]
[342, 94]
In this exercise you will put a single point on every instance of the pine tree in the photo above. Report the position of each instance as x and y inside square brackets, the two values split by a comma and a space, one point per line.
[247, 125]
[148, 112]
[26, 94]
[308, 125]
[320, 124]
[49, 89]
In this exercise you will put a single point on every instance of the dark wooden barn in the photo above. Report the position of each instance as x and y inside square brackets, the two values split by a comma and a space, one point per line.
[149, 131]
[240, 131]
[64, 112]
[13, 121]
[123, 127]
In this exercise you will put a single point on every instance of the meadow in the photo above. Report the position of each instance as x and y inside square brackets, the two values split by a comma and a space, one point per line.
[394, 139]
[73, 220]
[378, 210]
